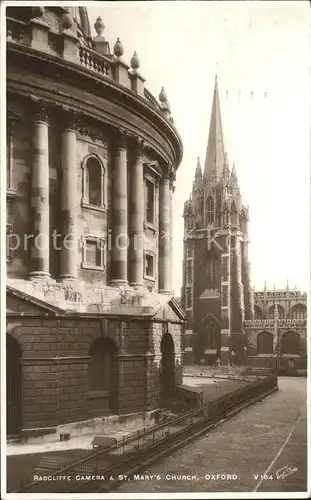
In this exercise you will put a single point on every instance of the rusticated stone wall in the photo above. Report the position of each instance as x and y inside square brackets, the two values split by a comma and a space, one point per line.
[55, 355]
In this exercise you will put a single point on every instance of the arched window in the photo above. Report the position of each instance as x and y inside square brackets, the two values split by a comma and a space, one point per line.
[210, 210]
[281, 312]
[257, 312]
[299, 311]
[264, 343]
[102, 365]
[150, 200]
[290, 343]
[94, 183]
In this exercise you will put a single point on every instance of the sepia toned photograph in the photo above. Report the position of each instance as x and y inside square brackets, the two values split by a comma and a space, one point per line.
[155, 260]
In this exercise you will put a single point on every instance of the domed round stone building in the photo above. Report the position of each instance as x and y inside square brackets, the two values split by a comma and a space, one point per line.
[93, 328]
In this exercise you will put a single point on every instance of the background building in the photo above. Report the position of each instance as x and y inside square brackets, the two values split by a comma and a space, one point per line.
[216, 290]
[92, 327]
[277, 336]
[226, 318]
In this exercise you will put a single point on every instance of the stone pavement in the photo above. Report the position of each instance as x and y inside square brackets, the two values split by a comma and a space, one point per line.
[263, 448]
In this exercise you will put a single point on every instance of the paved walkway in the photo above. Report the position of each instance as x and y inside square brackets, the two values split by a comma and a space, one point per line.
[263, 448]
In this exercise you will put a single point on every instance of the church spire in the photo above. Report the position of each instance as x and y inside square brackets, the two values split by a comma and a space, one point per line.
[215, 154]
[197, 183]
[198, 170]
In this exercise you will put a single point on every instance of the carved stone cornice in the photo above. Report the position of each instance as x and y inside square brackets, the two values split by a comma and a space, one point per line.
[12, 120]
[92, 132]
[139, 145]
[172, 185]
[105, 100]
[70, 119]
[121, 138]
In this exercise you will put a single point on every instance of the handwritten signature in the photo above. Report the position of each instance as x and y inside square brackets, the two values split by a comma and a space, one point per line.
[285, 471]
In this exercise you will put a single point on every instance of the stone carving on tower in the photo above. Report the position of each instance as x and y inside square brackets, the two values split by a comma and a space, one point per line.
[216, 255]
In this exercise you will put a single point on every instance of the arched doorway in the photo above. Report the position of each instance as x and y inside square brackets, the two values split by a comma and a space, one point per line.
[208, 341]
[290, 343]
[13, 386]
[264, 343]
[167, 367]
[103, 373]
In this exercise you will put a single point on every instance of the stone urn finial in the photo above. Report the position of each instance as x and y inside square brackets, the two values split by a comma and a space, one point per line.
[66, 20]
[118, 48]
[37, 12]
[162, 96]
[165, 105]
[135, 62]
[99, 26]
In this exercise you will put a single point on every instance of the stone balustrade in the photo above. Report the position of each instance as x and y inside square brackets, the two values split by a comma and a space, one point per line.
[269, 323]
[67, 46]
[281, 295]
[96, 62]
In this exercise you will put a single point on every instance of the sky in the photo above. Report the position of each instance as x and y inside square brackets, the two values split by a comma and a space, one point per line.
[260, 51]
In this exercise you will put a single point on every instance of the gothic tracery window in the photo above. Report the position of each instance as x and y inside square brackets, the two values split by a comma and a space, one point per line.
[281, 312]
[210, 210]
[258, 312]
[189, 297]
[299, 311]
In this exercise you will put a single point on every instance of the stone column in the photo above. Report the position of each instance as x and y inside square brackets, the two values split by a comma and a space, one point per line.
[172, 189]
[69, 206]
[119, 215]
[136, 218]
[40, 208]
[164, 236]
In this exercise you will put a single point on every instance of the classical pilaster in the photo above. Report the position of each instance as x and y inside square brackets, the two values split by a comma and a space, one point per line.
[40, 207]
[119, 214]
[69, 206]
[164, 236]
[136, 217]
[237, 290]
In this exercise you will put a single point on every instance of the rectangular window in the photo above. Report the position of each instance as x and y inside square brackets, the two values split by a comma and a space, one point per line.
[149, 266]
[150, 199]
[93, 257]
[9, 254]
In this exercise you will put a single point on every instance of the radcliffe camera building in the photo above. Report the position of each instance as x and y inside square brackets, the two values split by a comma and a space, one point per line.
[92, 327]
[226, 318]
